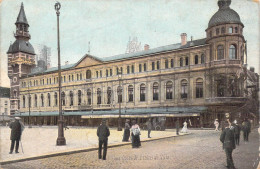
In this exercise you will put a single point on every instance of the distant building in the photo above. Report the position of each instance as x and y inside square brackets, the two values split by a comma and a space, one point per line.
[4, 101]
[198, 80]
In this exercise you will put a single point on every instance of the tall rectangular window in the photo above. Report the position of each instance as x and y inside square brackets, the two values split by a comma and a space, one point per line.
[97, 74]
[140, 67]
[166, 64]
[153, 65]
[158, 65]
[172, 63]
[144, 66]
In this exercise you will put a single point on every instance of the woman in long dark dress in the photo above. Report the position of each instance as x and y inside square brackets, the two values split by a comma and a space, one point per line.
[135, 134]
[126, 131]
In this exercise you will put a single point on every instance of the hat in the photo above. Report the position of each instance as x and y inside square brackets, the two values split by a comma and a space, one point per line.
[17, 118]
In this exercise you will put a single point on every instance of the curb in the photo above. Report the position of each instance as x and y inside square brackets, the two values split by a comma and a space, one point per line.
[81, 150]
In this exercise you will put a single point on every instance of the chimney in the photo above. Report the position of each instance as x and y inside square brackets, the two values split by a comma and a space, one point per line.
[146, 47]
[183, 39]
[252, 69]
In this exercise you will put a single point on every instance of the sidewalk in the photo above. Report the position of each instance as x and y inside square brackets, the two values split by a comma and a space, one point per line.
[40, 142]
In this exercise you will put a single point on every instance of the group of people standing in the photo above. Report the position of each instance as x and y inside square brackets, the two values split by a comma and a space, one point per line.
[230, 137]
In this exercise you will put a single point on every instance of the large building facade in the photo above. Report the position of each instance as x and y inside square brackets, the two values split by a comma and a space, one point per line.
[198, 80]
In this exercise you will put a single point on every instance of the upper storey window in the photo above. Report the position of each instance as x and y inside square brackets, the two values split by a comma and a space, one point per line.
[88, 74]
[217, 31]
[220, 52]
[230, 30]
[236, 30]
[196, 59]
[222, 30]
[232, 52]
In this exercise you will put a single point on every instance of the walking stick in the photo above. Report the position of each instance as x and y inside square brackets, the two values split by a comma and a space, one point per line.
[21, 146]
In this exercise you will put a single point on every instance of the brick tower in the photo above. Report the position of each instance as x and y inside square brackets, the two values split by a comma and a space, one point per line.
[21, 59]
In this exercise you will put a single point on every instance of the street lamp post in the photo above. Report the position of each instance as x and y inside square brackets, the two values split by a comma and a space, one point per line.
[119, 101]
[61, 139]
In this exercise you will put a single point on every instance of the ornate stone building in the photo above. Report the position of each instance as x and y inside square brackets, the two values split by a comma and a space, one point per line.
[21, 59]
[200, 80]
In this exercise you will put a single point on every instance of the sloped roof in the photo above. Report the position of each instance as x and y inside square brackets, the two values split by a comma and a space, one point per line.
[21, 46]
[130, 55]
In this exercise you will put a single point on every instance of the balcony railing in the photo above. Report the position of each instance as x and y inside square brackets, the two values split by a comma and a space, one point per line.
[226, 100]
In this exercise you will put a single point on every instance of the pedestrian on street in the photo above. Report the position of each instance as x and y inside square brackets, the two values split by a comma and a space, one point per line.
[237, 132]
[228, 139]
[149, 127]
[135, 135]
[126, 131]
[184, 128]
[16, 132]
[246, 126]
[177, 126]
[216, 123]
[103, 133]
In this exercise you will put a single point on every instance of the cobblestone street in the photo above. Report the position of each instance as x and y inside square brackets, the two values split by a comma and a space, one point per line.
[202, 149]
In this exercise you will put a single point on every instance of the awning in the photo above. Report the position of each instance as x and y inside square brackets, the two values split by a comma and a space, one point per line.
[136, 112]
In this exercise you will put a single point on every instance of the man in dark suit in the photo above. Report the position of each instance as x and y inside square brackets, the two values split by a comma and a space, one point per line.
[149, 127]
[177, 126]
[16, 131]
[237, 132]
[103, 133]
[228, 139]
[246, 125]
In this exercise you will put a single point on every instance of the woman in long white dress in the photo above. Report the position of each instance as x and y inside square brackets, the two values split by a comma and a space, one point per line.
[184, 129]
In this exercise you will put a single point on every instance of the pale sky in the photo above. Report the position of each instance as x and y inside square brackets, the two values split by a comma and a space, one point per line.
[108, 24]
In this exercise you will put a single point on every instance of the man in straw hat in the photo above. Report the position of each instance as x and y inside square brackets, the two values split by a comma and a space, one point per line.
[102, 133]
[16, 132]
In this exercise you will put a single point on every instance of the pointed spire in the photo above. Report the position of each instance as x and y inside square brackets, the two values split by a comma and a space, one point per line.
[21, 17]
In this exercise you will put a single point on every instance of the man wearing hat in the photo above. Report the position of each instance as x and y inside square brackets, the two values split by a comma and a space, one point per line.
[103, 133]
[16, 132]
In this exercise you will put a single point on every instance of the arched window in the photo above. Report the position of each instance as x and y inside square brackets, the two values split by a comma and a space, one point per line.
[166, 64]
[89, 96]
[49, 99]
[153, 66]
[133, 69]
[71, 98]
[42, 100]
[80, 76]
[35, 100]
[181, 62]
[140, 67]
[72, 78]
[56, 98]
[69, 78]
[109, 95]
[98, 96]
[184, 89]
[111, 72]
[15, 93]
[169, 90]
[130, 93]
[106, 73]
[232, 52]
[236, 30]
[119, 94]
[117, 71]
[23, 101]
[202, 59]
[128, 69]
[220, 52]
[142, 92]
[230, 30]
[196, 59]
[88, 74]
[79, 97]
[155, 91]
[77, 76]
[217, 31]
[199, 88]
[172, 63]
[144, 66]
[100, 72]
[158, 65]
[63, 98]
[222, 30]
[29, 100]
[186, 61]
